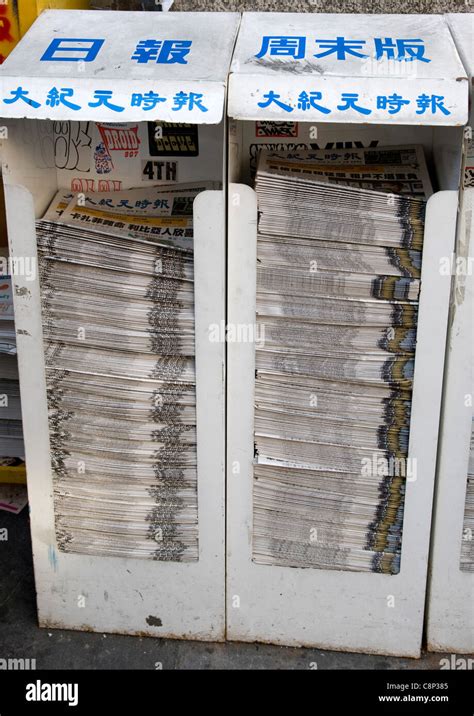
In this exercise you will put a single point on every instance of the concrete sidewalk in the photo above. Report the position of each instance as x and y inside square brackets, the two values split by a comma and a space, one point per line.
[21, 638]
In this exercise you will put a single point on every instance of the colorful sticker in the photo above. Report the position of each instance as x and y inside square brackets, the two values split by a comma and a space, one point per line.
[170, 139]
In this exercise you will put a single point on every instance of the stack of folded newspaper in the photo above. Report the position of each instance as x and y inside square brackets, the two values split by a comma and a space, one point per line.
[467, 545]
[340, 238]
[116, 275]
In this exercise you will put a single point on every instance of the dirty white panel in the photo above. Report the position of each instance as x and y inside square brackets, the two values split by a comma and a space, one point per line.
[27, 156]
[451, 590]
[374, 613]
[388, 69]
[81, 64]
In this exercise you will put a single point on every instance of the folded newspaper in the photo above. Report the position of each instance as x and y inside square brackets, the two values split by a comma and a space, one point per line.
[339, 256]
[117, 289]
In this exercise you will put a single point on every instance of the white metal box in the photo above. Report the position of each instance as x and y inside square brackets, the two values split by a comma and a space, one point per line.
[278, 57]
[450, 607]
[72, 74]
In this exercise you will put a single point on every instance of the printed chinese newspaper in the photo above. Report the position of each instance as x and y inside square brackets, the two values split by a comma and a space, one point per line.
[116, 275]
[339, 252]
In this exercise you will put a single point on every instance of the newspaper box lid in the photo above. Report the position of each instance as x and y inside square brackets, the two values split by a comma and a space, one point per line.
[120, 66]
[462, 29]
[377, 69]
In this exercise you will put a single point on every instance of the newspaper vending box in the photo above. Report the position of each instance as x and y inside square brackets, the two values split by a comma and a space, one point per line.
[350, 129]
[450, 613]
[115, 126]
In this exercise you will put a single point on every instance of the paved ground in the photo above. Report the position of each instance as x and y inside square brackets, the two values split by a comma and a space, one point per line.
[358, 6]
[20, 636]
